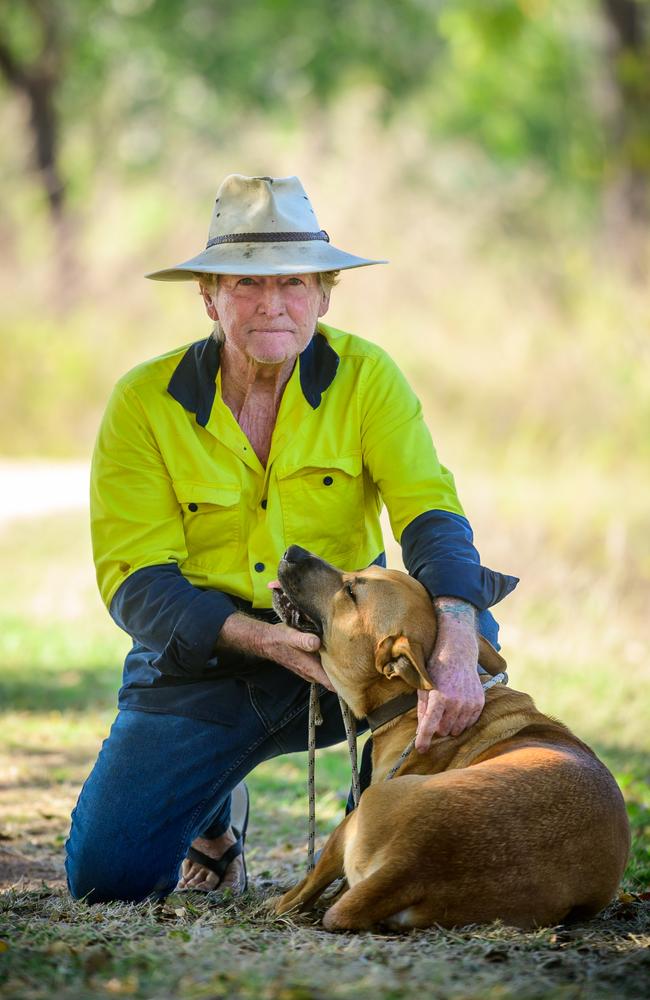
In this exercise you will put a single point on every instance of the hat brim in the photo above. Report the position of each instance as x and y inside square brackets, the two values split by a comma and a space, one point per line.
[307, 257]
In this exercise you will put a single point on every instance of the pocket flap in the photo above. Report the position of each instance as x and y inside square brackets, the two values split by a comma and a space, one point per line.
[350, 464]
[221, 494]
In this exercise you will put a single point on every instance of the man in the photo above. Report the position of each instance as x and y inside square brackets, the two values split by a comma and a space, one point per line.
[210, 461]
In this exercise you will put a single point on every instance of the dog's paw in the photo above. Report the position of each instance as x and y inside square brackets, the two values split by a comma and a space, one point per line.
[286, 904]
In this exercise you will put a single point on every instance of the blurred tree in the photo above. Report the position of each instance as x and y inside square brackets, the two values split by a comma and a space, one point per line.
[31, 62]
[629, 195]
[524, 80]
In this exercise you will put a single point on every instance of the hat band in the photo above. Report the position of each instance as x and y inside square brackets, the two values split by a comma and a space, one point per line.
[267, 238]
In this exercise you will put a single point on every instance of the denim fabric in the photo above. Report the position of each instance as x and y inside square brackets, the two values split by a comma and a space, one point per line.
[162, 780]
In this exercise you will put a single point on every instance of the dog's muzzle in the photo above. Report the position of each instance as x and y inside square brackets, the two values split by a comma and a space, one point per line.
[296, 568]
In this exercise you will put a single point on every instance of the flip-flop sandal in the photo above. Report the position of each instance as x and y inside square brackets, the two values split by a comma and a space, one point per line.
[239, 810]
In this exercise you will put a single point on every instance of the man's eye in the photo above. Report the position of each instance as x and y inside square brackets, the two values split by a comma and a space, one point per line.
[245, 281]
[350, 592]
[295, 281]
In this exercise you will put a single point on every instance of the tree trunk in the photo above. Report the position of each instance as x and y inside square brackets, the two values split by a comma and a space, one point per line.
[627, 193]
[37, 82]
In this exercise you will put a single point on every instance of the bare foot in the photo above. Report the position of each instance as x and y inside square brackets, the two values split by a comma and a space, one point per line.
[195, 876]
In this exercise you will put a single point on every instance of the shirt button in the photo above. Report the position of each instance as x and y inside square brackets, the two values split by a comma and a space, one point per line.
[263, 504]
[259, 567]
[192, 506]
[328, 480]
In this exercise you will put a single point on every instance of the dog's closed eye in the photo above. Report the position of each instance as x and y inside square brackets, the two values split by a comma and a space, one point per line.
[349, 590]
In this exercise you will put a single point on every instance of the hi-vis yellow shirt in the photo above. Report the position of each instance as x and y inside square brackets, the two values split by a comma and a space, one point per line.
[176, 482]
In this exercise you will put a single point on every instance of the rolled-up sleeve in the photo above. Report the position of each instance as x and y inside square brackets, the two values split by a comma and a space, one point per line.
[425, 513]
[160, 609]
[438, 550]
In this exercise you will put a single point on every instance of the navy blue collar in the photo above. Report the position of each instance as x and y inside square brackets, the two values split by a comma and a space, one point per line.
[193, 383]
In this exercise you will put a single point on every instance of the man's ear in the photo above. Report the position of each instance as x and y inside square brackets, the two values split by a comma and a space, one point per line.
[488, 657]
[210, 307]
[324, 304]
[395, 656]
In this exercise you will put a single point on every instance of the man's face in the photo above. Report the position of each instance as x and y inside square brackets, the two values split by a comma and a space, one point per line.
[268, 319]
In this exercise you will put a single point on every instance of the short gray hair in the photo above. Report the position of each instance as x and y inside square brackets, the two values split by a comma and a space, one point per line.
[327, 280]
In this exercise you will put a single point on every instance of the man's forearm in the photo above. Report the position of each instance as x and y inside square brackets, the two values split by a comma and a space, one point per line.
[457, 696]
[457, 621]
[244, 634]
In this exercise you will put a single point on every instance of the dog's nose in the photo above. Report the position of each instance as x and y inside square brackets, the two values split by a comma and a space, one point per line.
[296, 554]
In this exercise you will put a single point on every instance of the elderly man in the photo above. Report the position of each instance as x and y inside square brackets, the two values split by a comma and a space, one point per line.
[210, 461]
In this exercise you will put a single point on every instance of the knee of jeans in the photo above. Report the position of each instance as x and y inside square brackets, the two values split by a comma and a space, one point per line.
[97, 874]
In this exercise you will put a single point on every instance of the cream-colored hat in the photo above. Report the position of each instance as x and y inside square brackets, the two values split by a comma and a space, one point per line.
[263, 225]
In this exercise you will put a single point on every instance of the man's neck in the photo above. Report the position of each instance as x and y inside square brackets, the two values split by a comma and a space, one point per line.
[245, 381]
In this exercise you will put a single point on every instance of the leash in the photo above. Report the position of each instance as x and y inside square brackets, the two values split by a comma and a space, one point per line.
[350, 724]
[400, 704]
[315, 719]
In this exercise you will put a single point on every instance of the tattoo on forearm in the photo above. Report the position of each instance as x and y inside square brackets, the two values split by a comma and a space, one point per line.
[457, 610]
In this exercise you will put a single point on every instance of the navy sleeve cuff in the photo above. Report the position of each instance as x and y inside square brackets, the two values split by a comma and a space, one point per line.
[159, 608]
[438, 550]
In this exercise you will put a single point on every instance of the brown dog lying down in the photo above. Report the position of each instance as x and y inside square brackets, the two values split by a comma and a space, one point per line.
[515, 819]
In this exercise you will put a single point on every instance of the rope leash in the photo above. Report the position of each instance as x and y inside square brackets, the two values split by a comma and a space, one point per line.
[350, 724]
[315, 719]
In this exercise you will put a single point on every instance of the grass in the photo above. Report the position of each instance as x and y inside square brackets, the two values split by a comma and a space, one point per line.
[60, 669]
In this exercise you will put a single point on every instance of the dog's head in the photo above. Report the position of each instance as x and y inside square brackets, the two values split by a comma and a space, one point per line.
[375, 625]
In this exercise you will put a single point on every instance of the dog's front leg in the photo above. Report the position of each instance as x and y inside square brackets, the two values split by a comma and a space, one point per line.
[328, 868]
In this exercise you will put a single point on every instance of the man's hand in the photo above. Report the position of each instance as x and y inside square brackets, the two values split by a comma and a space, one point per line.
[458, 698]
[297, 651]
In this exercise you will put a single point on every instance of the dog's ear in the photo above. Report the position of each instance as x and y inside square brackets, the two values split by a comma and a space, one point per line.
[395, 656]
[488, 657]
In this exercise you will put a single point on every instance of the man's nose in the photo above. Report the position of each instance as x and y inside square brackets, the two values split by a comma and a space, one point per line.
[272, 301]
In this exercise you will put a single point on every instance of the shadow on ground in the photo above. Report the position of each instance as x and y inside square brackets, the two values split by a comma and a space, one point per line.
[94, 686]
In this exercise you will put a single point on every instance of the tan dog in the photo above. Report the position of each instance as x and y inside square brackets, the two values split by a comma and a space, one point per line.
[515, 819]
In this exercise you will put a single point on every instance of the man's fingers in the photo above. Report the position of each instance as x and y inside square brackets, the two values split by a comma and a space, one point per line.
[461, 723]
[302, 640]
[310, 669]
[448, 720]
[440, 716]
[428, 725]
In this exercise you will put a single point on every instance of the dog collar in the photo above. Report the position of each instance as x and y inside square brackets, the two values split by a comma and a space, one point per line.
[404, 702]
[391, 709]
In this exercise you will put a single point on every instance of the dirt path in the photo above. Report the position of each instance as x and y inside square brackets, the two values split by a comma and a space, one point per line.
[31, 487]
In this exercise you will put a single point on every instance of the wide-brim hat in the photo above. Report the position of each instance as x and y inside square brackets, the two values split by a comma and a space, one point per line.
[263, 225]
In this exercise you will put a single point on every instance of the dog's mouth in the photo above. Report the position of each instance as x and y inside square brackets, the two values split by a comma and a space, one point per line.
[290, 613]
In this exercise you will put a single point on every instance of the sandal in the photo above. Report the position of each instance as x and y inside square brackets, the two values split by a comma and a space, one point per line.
[239, 810]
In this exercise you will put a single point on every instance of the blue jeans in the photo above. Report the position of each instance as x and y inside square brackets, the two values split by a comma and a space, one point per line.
[162, 780]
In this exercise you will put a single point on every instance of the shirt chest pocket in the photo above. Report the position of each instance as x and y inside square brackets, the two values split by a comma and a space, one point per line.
[211, 522]
[323, 506]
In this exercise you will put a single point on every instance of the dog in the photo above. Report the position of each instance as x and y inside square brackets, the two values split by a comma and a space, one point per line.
[515, 820]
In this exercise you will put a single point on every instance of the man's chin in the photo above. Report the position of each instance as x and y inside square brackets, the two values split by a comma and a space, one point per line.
[271, 361]
[270, 349]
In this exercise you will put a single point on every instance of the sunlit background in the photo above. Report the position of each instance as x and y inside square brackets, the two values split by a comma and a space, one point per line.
[498, 153]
